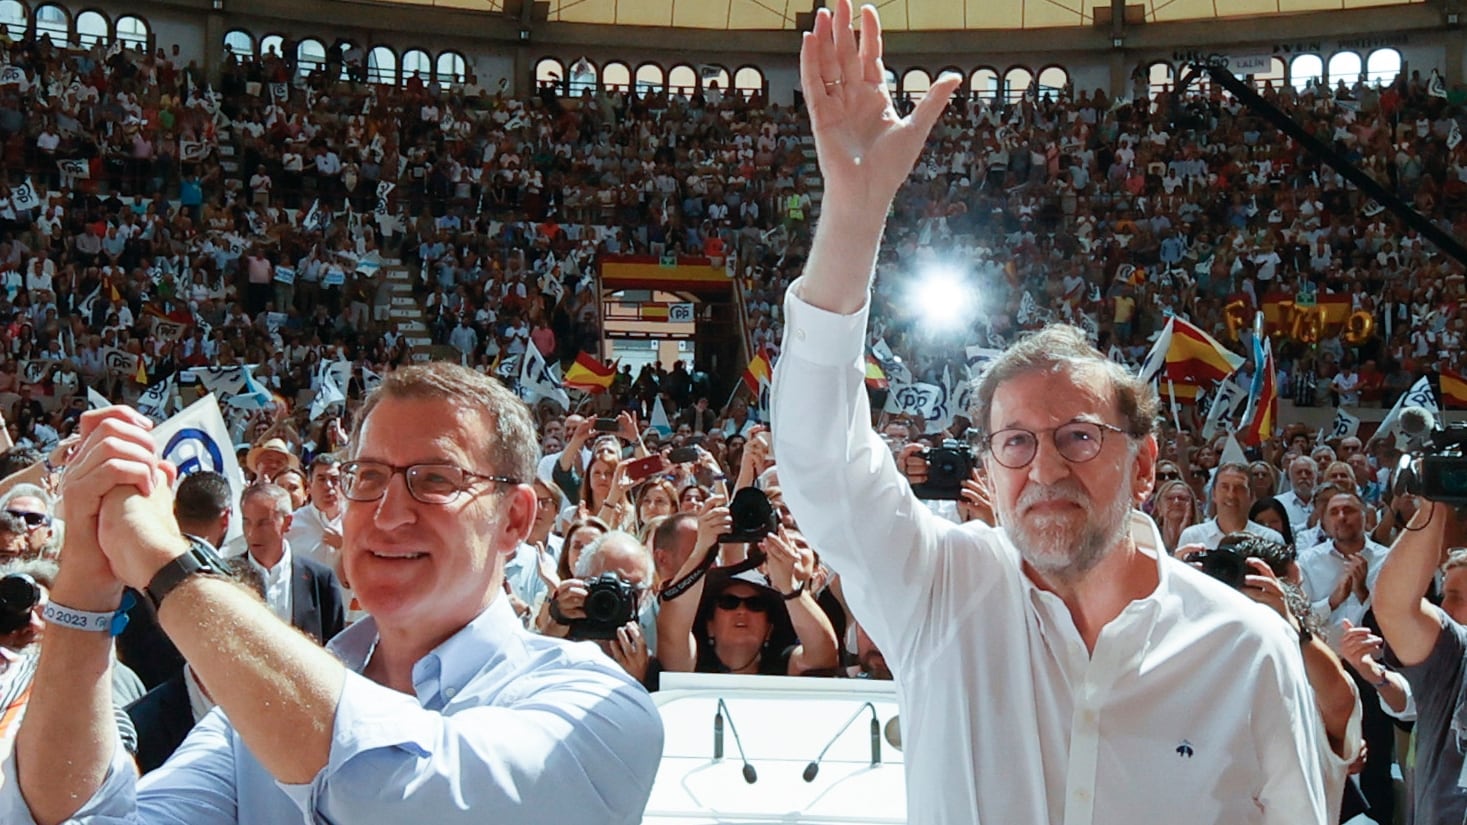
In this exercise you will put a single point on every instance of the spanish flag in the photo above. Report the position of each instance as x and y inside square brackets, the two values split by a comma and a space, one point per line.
[759, 372]
[1184, 353]
[875, 375]
[589, 374]
[1454, 390]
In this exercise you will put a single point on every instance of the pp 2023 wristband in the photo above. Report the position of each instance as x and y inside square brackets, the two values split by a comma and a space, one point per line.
[110, 623]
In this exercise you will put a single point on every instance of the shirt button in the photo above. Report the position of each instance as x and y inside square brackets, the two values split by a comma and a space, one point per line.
[450, 692]
[1081, 794]
[799, 335]
[1088, 717]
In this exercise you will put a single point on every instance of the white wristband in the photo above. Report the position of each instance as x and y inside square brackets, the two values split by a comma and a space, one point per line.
[64, 616]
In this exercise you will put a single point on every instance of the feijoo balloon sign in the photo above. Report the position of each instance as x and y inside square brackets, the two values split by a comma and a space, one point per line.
[1329, 316]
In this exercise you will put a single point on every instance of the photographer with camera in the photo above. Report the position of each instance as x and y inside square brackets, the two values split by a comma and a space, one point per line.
[1268, 573]
[606, 603]
[1427, 644]
[24, 589]
[736, 619]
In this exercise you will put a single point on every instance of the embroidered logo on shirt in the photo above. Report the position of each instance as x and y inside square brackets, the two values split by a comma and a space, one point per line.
[1185, 749]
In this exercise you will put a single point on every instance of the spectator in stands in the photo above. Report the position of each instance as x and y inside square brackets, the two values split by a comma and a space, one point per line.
[315, 528]
[36, 508]
[1270, 513]
[1231, 500]
[1176, 511]
[299, 589]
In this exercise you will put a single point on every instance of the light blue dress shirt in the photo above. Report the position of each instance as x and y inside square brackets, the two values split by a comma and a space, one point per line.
[505, 727]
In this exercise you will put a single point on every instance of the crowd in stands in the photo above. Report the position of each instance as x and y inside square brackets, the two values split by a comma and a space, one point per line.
[193, 193]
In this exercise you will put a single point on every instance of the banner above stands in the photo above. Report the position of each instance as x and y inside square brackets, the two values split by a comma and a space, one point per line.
[1304, 317]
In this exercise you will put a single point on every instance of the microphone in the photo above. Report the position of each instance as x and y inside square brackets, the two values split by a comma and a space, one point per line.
[750, 775]
[812, 769]
[1416, 424]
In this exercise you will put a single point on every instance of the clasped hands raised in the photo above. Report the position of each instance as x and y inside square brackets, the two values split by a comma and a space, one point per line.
[117, 502]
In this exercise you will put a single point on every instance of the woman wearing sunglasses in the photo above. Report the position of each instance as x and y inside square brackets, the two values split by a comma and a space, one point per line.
[763, 620]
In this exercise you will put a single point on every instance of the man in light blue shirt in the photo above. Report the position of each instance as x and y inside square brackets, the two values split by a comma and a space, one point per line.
[438, 708]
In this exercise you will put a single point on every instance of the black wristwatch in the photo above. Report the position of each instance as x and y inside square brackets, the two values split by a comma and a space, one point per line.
[1305, 634]
[201, 559]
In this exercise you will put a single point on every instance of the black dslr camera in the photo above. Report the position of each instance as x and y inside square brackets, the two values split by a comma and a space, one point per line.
[19, 595]
[752, 515]
[1440, 474]
[610, 603]
[948, 466]
[1228, 563]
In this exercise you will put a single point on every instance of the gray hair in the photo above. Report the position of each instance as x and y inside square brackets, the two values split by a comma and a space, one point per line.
[512, 448]
[590, 563]
[1064, 348]
[277, 494]
[24, 490]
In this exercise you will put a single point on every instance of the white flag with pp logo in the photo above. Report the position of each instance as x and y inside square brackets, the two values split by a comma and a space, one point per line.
[23, 198]
[158, 398]
[1345, 426]
[198, 439]
[537, 381]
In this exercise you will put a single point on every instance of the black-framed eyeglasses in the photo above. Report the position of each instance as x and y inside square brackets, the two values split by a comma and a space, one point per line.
[755, 604]
[32, 520]
[428, 483]
[1170, 475]
[1077, 442]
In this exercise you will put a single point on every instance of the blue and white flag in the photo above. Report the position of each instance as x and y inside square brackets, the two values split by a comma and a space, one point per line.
[537, 381]
[198, 439]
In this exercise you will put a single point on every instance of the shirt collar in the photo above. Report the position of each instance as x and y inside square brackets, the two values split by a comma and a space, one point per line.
[447, 669]
[280, 569]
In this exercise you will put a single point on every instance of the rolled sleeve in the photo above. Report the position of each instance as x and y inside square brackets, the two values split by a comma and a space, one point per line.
[582, 749]
[114, 803]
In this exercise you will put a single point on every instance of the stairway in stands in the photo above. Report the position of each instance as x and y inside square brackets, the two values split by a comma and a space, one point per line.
[407, 311]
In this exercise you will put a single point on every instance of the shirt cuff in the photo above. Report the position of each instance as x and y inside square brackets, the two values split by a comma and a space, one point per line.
[820, 336]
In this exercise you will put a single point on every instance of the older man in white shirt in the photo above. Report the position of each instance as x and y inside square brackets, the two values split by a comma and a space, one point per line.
[1060, 668]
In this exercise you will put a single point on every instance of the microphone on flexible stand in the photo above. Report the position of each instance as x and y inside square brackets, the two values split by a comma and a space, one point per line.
[750, 775]
[812, 769]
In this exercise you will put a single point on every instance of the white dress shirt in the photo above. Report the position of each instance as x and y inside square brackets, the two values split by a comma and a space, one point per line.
[1209, 534]
[277, 582]
[1192, 707]
[1323, 566]
[1298, 509]
[308, 527]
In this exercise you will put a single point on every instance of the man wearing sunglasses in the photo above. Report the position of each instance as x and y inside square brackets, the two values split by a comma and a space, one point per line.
[439, 707]
[32, 505]
[1062, 667]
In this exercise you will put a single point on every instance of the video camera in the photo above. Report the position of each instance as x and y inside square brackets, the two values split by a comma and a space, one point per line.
[948, 466]
[1435, 468]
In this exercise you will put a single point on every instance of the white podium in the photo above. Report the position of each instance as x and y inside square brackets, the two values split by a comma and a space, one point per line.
[783, 723]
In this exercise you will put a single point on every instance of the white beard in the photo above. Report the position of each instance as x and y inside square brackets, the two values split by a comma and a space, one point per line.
[1067, 546]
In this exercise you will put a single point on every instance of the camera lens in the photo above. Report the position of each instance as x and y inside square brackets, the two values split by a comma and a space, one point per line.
[602, 606]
